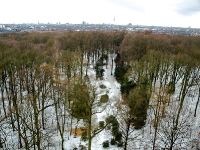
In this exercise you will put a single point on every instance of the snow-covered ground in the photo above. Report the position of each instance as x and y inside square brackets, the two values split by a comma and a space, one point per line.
[113, 91]
[144, 136]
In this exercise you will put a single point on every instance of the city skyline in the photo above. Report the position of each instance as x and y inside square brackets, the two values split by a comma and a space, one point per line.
[176, 13]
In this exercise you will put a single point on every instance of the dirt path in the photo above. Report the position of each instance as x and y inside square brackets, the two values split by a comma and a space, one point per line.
[114, 86]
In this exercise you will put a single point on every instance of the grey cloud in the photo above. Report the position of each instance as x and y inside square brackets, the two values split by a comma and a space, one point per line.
[188, 7]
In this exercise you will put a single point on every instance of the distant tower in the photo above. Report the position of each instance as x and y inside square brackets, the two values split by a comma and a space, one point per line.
[114, 20]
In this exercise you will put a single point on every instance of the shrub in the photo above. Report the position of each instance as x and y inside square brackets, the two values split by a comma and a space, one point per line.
[112, 141]
[115, 130]
[82, 147]
[104, 98]
[101, 124]
[106, 144]
[118, 136]
[120, 144]
[99, 72]
[84, 136]
[102, 86]
[108, 127]
[110, 119]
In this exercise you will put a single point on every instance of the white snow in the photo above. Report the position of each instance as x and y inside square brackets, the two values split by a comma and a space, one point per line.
[144, 139]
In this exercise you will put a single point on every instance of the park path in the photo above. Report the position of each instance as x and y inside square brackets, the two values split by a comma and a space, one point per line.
[114, 85]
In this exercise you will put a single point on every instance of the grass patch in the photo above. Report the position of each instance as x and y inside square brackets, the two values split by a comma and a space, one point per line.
[102, 86]
[104, 98]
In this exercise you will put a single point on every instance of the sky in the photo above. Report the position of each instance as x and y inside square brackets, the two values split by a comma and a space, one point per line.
[172, 13]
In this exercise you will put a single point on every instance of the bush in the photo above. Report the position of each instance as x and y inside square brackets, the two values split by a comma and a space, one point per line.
[115, 130]
[82, 147]
[111, 119]
[101, 124]
[99, 72]
[106, 144]
[102, 86]
[118, 136]
[104, 98]
[120, 144]
[112, 141]
[84, 136]
[108, 127]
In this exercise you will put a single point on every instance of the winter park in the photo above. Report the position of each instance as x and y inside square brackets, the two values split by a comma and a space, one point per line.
[99, 90]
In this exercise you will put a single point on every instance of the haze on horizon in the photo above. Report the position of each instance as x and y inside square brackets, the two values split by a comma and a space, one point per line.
[176, 13]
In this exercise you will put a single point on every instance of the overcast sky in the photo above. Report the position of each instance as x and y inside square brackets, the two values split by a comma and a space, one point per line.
[181, 13]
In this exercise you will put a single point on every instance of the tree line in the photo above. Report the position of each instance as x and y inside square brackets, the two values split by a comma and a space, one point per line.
[158, 74]
[44, 85]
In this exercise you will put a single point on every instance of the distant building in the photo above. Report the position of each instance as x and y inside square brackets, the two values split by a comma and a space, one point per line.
[2, 26]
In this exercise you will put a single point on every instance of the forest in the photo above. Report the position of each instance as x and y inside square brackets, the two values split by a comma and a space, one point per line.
[46, 89]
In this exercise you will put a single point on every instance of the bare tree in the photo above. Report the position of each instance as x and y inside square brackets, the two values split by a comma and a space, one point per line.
[171, 135]
[126, 125]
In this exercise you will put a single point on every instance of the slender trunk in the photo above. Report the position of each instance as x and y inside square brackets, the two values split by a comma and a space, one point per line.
[182, 97]
[156, 121]
[93, 57]
[63, 128]
[1, 143]
[3, 101]
[35, 113]
[3, 87]
[60, 126]
[195, 112]
[81, 66]
[172, 141]
[62, 142]
[10, 108]
[127, 134]
[154, 138]
[107, 60]
[88, 59]
[18, 123]
[112, 67]
[14, 99]
[33, 135]
[90, 130]
[36, 124]
[25, 139]
[43, 121]
[97, 54]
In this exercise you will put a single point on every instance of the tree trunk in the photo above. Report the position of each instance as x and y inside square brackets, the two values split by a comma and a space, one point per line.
[112, 67]
[89, 131]
[127, 134]
[14, 99]
[35, 112]
[3, 101]
[43, 122]
[81, 65]
[88, 60]
[195, 112]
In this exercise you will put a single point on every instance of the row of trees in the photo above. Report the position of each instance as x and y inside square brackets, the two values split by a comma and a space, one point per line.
[45, 88]
[160, 78]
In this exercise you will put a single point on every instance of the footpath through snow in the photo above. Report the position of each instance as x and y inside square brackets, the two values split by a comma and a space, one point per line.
[114, 95]
[113, 91]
